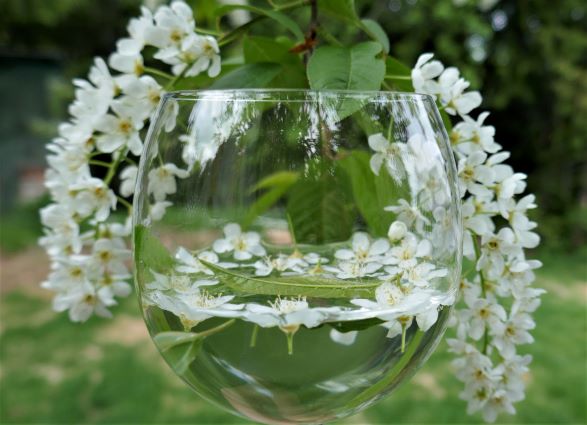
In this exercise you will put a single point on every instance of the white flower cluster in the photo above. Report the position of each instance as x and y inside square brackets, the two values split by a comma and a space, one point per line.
[89, 255]
[401, 266]
[499, 299]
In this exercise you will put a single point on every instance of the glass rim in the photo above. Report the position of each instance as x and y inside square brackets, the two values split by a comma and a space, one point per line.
[291, 94]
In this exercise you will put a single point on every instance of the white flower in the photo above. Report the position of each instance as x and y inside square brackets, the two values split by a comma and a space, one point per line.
[471, 135]
[409, 213]
[120, 130]
[281, 263]
[110, 257]
[423, 274]
[84, 300]
[115, 285]
[387, 153]
[397, 230]
[128, 178]
[69, 159]
[172, 24]
[191, 264]
[474, 175]
[424, 73]
[353, 269]
[484, 314]
[181, 284]
[67, 274]
[493, 249]
[453, 96]
[243, 245]
[511, 333]
[157, 210]
[93, 196]
[199, 53]
[127, 59]
[195, 307]
[362, 250]
[162, 180]
[288, 314]
[407, 253]
[143, 94]
[343, 338]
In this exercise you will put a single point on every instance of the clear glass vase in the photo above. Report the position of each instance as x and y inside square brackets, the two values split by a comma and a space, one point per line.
[297, 252]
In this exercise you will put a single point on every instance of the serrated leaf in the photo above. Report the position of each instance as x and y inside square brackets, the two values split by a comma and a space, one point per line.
[371, 192]
[376, 32]
[279, 17]
[343, 68]
[340, 9]
[264, 49]
[254, 75]
[320, 208]
[305, 286]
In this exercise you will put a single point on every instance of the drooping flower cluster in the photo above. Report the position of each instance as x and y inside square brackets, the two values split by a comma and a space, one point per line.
[88, 254]
[498, 294]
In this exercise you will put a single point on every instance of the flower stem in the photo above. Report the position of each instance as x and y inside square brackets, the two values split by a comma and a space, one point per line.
[289, 336]
[124, 202]
[404, 331]
[100, 163]
[234, 34]
[112, 169]
[253, 341]
[483, 288]
[398, 77]
[158, 72]
[217, 329]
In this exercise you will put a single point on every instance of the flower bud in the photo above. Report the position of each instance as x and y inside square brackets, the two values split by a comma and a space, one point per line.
[397, 231]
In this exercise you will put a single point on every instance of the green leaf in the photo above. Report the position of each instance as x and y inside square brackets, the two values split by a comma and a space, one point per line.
[340, 9]
[398, 69]
[254, 75]
[321, 208]
[446, 120]
[167, 340]
[150, 252]
[284, 20]
[265, 49]
[281, 178]
[183, 362]
[376, 32]
[181, 348]
[278, 184]
[342, 68]
[305, 286]
[371, 192]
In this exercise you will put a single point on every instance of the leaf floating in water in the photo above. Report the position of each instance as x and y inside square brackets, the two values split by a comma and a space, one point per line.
[304, 286]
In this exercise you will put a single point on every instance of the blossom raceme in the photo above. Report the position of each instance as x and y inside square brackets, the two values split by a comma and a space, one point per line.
[108, 117]
[490, 326]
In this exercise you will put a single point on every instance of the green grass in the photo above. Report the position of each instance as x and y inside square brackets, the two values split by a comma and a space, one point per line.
[21, 227]
[54, 371]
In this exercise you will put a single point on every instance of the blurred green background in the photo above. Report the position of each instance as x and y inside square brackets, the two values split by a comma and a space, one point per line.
[528, 58]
